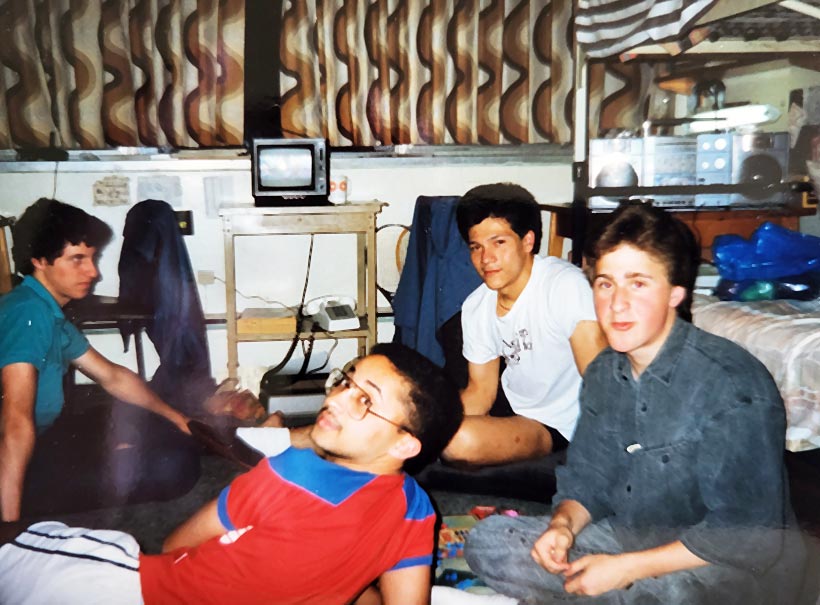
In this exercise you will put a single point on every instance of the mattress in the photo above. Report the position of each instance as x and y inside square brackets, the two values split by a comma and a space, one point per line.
[785, 336]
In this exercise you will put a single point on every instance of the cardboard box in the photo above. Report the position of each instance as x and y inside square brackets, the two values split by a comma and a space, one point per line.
[266, 321]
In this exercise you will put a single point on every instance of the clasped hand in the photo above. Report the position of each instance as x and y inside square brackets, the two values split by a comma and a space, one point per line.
[590, 575]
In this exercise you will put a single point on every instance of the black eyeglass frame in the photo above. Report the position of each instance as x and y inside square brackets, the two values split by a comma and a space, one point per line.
[336, 379]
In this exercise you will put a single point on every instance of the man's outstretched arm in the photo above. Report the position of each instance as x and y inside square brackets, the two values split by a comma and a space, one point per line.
[200, 527]
[593, 575]
[17, 435]
[124, 384]
[408, 586]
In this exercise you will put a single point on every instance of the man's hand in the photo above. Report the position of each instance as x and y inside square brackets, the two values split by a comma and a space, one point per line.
[181, 422]
[551, 549]
[593, 575]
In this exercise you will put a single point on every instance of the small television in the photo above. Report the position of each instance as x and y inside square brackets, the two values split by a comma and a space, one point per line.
[289, 172]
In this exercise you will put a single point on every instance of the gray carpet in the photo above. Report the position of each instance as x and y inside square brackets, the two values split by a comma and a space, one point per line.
[150, 523]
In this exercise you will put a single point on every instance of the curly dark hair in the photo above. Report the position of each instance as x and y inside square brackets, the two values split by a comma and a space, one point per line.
[660, 235]
[433, 406]
[48, 226]
[509, 201]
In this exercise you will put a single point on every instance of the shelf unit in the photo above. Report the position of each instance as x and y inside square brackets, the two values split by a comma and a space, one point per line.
[352, 218]
[575, 220]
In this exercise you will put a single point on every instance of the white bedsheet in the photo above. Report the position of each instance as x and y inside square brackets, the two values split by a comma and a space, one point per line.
[785, 336]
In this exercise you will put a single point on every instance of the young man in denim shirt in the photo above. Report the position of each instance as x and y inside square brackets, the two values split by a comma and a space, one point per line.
[674, 490]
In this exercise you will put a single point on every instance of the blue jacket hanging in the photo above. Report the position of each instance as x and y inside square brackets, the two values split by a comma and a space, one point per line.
[437, 276]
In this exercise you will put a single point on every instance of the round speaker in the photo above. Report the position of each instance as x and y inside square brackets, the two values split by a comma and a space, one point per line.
[761, 170]
[618, 173]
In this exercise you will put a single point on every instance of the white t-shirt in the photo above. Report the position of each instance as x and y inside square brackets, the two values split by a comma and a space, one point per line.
[541, 380]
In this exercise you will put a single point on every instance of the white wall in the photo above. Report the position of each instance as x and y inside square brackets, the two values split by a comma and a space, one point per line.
[271, 267]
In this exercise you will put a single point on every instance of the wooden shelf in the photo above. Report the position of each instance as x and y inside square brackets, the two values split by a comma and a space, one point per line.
[747, 189]
[309, 330]
[706, 222]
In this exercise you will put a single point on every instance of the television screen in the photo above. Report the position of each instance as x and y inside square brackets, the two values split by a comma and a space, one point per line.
[289, 171]
[285, 167]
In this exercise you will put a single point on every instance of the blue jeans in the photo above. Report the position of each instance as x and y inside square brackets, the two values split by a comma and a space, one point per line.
[498, 549]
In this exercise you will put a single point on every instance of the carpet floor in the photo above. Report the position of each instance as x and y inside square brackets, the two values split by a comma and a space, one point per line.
[151, 522]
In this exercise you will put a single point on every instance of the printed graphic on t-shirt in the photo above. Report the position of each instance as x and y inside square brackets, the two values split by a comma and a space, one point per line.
[512, 350]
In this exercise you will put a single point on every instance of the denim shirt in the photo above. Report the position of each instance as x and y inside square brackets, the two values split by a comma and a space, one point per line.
[692, 450]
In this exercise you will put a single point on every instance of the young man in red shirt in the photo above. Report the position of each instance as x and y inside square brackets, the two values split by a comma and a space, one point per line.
[313, 525]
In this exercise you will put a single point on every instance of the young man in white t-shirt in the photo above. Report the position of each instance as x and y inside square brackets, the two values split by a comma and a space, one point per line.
[534, 313]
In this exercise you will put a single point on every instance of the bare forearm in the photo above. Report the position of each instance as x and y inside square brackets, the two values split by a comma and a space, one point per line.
[477, 400]
[596, 574]
[662, 560]
[570, 514]
[16, 447]
[127, 386]
[408, 586]
[482, 387]
[201, 526]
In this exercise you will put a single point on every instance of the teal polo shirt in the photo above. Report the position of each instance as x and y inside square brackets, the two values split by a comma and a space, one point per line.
[34, 330]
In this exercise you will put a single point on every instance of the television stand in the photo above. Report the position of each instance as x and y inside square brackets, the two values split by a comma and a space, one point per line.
[354, 218]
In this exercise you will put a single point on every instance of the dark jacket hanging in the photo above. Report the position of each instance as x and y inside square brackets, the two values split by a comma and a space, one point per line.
[437, 276]
[155, 272]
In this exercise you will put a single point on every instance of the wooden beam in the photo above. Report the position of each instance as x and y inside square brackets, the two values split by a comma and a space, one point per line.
[805, 62]
[802, 7]
[729, 8]
[737, 47]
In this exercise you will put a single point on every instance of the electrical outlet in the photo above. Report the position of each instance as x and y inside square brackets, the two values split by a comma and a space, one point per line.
[205, 278]
[185, 219]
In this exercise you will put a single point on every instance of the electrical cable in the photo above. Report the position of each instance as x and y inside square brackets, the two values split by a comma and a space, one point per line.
[256, 297]
[327, 360]
[299, 317]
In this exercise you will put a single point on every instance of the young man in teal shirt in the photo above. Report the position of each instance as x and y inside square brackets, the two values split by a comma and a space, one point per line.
[56, 248]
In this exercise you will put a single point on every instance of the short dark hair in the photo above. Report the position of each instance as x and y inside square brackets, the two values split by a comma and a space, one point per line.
[511, 202]
[48, 226]
[660, 235]
[434, 407]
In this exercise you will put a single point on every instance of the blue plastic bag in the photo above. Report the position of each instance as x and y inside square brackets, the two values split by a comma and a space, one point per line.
[770, 253]
[805, 286]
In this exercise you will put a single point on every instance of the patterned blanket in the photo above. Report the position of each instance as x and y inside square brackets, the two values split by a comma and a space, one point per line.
[785, 336]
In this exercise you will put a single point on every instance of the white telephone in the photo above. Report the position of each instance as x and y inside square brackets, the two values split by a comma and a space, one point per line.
[333, 313]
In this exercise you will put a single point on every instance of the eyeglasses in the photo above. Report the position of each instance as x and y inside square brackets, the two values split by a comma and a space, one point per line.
[360, 405]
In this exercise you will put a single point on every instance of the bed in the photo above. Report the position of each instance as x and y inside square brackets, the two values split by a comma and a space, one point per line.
[785, 336]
